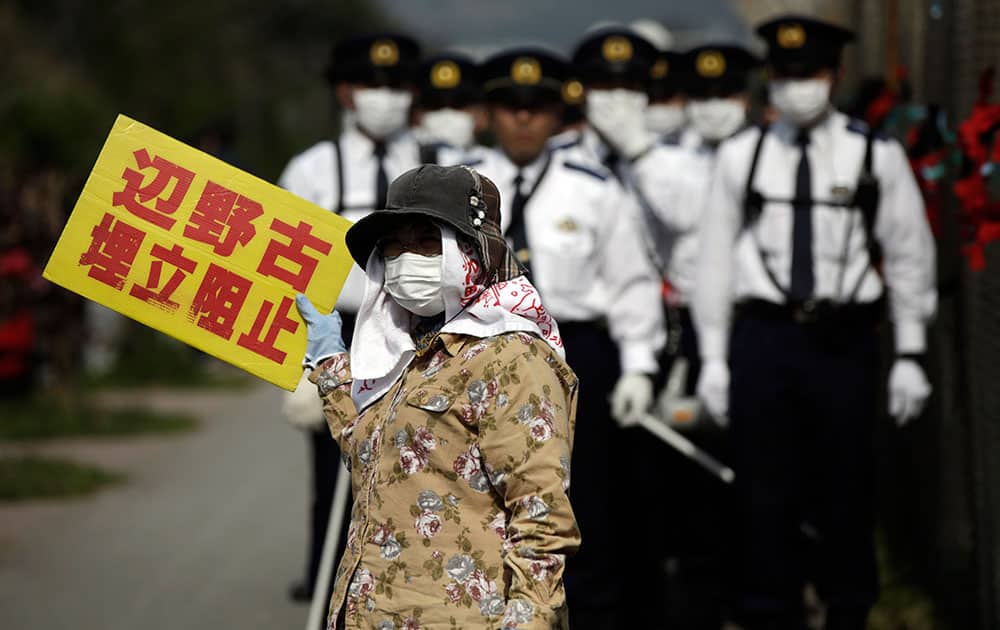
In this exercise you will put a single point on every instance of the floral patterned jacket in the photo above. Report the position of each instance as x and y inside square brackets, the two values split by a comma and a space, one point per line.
[460, 475]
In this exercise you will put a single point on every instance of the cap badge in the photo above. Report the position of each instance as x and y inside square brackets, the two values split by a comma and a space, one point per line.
[445, 75]
[791, 36]
[710, 64]
[572, 92]
[659, 69]
[526, 71]
[617, 49]
[384, 52]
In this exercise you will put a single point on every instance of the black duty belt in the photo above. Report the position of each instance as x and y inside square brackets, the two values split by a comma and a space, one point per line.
[814, 311]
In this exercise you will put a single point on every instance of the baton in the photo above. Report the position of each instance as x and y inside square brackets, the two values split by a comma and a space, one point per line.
[319, 600]
[687, 448]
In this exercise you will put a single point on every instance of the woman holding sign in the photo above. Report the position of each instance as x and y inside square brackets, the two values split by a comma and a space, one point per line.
[454, 410]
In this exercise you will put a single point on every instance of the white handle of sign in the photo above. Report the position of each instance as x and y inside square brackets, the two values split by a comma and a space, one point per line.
[687, 448]
[320, 603]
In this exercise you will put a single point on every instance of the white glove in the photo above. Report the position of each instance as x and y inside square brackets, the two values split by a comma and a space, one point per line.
[303, 408]
[908, 390]
[713, 390]
[631, 398]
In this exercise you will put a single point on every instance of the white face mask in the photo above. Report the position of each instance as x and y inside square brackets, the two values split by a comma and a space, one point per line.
[716, 119]
[414, 281]
[450, 126]
[801, 101]
[381, 111]
[613, 112]
[664, 119]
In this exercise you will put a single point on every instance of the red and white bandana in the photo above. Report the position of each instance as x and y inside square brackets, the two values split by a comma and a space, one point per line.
[382, 347]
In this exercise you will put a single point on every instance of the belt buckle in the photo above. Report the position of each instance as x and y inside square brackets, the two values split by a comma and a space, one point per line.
[806, 312]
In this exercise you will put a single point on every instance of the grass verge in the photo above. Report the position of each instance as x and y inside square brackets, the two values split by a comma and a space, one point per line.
[32, 477]
[45, 418]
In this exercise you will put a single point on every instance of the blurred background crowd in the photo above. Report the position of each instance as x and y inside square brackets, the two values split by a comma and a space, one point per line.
[243, 80]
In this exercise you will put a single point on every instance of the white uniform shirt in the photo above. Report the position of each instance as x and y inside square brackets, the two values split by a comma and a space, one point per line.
[313, 175]
[731, 265]
[586, 250]
[674, 179]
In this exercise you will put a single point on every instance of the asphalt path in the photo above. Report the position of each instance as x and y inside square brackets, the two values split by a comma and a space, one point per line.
[206, 533]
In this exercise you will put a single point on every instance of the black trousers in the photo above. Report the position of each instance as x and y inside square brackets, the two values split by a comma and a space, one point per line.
[682, 573]
[592, 577]
[802, 409]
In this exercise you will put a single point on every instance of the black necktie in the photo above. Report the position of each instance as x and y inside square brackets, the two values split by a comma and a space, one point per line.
[517, 232]
[381, 181]
[802, 233]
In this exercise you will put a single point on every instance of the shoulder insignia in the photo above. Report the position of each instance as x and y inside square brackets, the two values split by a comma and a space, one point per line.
[671, 139]
[593, 172]
[565, 145]
[859, 126]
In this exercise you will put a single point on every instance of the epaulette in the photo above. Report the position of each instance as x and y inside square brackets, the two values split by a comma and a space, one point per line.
[859, 126]
[593, 172]
[566, 144]
[671, 139]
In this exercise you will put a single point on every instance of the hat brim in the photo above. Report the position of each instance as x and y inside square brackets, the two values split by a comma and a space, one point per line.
[366, 232]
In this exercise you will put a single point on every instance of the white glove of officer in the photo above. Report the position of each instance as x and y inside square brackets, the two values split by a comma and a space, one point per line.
[303, 408]
[713, 390]
[908, 390]
[631, 398]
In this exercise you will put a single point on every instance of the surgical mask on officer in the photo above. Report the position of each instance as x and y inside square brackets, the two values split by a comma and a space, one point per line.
[453, 127]
[663, 119]
[382, 111]
[715, 119]
[611, 111]
[414, 281]
[800, 101]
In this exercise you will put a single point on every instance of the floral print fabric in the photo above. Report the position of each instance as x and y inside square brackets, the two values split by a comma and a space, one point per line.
[460, 473]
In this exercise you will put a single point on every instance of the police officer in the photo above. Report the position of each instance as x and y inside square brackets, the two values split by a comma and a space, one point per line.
[576, 230]
[449, 106]
[676, 184]
[811, 225]
[372, 78]
[664, 115]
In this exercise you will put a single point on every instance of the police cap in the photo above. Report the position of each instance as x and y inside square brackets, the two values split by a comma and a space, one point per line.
[614, 54]
[449, 80]
[667, 76]
[799, 46]
[717, 70]
[381, 59]
[524, 77]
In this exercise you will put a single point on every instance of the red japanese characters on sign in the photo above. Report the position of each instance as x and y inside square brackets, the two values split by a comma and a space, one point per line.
[200, 250]
[135, 197]
[300, 238]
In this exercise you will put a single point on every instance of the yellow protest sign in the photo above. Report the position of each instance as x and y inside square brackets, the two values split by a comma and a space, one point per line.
[196, 248]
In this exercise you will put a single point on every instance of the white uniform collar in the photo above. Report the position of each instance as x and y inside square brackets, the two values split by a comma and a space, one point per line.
[818, 132]
[531, 172]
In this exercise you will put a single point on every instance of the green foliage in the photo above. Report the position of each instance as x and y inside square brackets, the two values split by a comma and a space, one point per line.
[31, 477]
[254, 67]
[150, 358]
[45, 419]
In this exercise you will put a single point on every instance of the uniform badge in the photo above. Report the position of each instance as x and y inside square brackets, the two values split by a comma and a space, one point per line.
[384, 52]
[710, 64]
[840, 193]
[526, 71]
[659, 69]
[445, 75]
[567, 225]
[572, 92]
[791, 36]
[617, 49]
